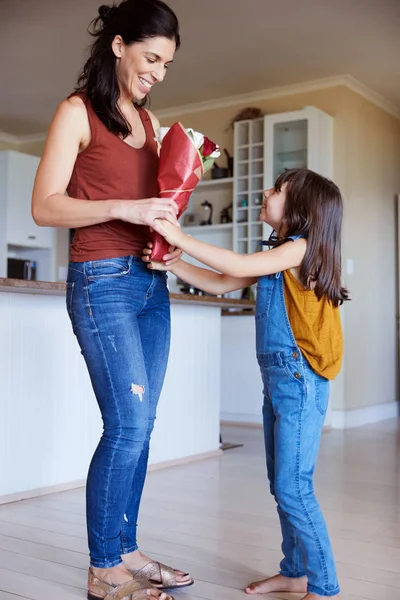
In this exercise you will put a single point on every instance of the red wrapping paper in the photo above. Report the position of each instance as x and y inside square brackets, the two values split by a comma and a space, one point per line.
[180, 170]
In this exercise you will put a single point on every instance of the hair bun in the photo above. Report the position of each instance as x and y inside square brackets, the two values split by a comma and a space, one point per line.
[106, 13]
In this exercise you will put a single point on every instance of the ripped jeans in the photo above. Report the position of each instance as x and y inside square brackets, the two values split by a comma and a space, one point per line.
[120, 314]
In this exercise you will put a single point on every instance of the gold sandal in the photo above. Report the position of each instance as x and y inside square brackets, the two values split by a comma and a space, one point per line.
[132, 590]
[160, 576]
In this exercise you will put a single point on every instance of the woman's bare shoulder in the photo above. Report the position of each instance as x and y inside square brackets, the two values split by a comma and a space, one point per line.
[73, 106]
[71, 114]
[155, 122]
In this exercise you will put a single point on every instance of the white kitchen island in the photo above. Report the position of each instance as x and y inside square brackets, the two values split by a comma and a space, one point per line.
[49, 419]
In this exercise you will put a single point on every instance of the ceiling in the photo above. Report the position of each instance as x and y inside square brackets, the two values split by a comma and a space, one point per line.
[228, 47]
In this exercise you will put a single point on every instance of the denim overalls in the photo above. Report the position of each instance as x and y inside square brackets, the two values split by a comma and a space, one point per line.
[295, 403]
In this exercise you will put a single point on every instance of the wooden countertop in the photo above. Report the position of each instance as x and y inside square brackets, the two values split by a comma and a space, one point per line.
[58, 289]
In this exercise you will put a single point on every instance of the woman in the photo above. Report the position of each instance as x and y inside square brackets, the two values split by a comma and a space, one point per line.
[101, 148]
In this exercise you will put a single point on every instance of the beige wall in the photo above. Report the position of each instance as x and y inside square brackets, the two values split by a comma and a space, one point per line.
[7, 146]
[369, 164]
[35, 148]
[367, 169]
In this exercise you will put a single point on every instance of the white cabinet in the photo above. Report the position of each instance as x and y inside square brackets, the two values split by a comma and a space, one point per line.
[241, 384]
[16, 186]
[263, 149]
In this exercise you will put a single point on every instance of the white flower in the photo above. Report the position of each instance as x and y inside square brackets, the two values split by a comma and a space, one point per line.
[161, 133]
[215, 154]
[197, 137]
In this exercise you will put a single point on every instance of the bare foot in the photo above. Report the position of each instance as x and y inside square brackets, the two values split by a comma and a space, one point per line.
[279, 583]
[119, 574]
[136, 560]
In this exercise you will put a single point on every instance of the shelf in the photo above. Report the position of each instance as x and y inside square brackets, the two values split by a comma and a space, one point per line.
[251, 239]
[256, 145]
[214, 182]
[208, 228]
[250, 162]
[292, 155]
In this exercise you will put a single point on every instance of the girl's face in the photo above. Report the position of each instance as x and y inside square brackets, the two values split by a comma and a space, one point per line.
[273, 207]
[142, 64]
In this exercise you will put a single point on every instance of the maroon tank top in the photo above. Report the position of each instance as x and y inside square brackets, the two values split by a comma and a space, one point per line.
[110, 169]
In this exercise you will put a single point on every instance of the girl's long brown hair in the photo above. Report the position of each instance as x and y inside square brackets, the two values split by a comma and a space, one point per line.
[314, 209]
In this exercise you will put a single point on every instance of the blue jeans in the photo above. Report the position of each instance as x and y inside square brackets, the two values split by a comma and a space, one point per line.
[120, 314]
[295, 403]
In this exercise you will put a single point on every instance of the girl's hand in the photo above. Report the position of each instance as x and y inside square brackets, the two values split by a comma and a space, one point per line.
[169, 259]
[170, 232]
[151, 212]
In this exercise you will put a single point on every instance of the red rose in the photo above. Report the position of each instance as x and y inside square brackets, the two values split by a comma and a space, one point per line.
[208, 147]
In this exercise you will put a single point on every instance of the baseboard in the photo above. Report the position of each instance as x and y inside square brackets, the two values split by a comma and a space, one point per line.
[346, 419]
[184, 461]
[45, 491]
[242, 419]
[246, 424]
[66, 487]
[340, 419]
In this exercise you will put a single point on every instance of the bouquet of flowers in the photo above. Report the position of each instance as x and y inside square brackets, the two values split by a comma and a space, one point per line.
[185, 156]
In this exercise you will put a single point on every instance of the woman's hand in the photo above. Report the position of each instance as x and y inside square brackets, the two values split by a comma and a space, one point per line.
[169, 259]
[173, 256]
[152, 212]
[170, 232]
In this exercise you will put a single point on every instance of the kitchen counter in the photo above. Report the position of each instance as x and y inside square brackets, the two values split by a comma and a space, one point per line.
[58, 289]
[50, 423]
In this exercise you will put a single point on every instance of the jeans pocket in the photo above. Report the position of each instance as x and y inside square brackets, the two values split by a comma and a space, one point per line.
[114, 267]
[322, 387]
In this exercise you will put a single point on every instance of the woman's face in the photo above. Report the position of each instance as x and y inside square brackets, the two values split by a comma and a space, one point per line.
[142, 64]
[273, 207]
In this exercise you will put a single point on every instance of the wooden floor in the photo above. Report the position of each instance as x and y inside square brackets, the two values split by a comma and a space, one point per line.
[215, 519]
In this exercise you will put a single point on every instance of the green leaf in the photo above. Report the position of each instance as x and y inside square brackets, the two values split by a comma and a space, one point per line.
[207, 163]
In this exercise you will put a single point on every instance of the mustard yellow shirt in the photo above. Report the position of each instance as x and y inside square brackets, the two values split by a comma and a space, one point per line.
[316, 327]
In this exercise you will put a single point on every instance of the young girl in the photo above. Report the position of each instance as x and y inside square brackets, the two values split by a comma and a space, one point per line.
[299, 349]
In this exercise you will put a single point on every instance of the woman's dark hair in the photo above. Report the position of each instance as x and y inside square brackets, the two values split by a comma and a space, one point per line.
[314, 209]
[134, 21]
